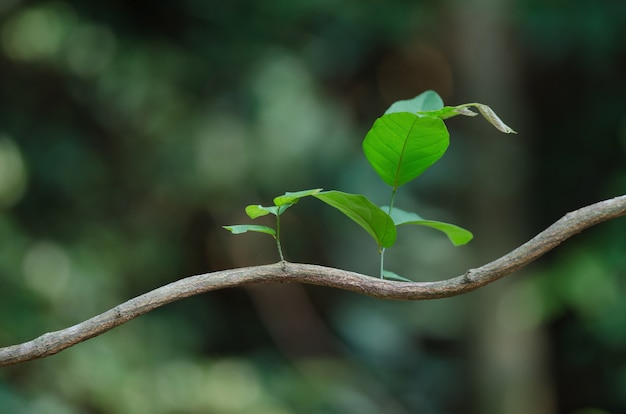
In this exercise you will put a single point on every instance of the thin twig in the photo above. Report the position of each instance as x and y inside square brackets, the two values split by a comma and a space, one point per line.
[571, 224]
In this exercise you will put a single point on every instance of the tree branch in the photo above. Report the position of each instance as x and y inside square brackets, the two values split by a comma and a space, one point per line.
[571, 224]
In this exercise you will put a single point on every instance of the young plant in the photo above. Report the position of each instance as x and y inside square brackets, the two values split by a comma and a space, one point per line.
[281, 204]
[409, 138]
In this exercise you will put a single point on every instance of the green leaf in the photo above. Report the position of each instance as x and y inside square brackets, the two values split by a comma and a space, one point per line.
[256, 210]
[282, 203]
[387, 274]
[363, 212]
[243, 228]
[427, 101]
[292, 198]
[448, 112]
[457, 235]
[400, 146]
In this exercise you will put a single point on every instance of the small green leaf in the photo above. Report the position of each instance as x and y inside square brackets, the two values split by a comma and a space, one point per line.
[256, 210]
[363, 212]
[387, 274]
[457, 235]
[426, 101]
[448, 112]
[292, 198]
[243, 228]
[488, 113]
[400, 146]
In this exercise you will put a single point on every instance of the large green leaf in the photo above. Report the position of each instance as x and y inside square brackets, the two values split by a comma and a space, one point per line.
[365, 213]
[243, 228]
[457, 235]
[400, 146]
[426, 101]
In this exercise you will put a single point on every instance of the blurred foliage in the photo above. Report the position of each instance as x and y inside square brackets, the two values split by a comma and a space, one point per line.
[130, 131]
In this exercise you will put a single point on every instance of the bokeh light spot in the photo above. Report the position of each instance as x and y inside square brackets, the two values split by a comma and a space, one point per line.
[47, 269]
[36, 33]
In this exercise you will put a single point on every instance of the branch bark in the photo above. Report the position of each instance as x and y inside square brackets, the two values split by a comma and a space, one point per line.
[569, 225]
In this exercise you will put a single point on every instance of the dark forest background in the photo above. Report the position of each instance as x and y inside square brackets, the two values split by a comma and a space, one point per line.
[131, 131]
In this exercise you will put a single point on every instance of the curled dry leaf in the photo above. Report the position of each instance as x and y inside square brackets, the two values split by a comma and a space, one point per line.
[493, 119]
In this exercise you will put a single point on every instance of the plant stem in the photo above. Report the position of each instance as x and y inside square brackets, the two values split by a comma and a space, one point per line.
[382, 263]
[278, 246]
[393, 198]
[280, 250]
[382, 250]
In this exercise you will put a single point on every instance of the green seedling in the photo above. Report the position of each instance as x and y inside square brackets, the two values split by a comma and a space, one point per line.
[281, 204]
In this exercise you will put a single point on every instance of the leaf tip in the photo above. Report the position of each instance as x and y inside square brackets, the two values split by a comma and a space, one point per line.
[462, 241]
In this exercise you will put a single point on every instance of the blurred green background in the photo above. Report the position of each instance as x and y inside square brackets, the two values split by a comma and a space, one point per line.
[131, 131]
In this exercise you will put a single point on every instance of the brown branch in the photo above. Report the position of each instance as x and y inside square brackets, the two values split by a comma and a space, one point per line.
[571, 224]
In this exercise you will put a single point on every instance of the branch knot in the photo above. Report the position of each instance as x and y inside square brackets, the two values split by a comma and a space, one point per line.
[468, 277]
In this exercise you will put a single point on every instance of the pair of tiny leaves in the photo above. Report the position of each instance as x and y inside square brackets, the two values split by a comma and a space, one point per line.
[281, 204]
[411, 136]
[373, 219]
